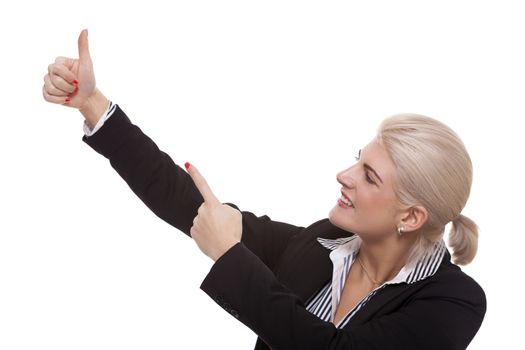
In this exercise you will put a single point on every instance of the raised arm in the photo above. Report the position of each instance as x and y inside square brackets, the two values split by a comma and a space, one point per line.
[162, 185]
[151, 174]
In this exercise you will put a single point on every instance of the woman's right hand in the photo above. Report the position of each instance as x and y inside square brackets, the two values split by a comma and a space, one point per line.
[71, 82]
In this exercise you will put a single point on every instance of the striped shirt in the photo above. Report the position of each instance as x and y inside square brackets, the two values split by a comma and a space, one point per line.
[343, 254]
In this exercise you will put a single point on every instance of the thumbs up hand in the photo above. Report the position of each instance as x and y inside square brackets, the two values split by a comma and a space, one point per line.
[71, 81]
[217, 227]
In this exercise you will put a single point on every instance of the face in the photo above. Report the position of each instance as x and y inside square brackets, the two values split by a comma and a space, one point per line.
[368, 184]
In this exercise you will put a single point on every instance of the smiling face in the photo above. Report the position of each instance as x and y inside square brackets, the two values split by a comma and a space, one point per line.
[374, 211]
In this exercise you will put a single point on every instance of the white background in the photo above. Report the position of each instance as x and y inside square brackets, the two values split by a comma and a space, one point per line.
[270, 99]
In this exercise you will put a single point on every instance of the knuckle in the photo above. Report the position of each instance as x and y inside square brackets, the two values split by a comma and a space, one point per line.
[55, 80]
[52, 83]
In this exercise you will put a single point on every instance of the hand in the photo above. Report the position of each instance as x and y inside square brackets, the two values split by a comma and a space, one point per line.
[217, 227]
[71, 81]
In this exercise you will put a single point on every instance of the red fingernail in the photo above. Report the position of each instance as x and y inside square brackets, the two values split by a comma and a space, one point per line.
[75, 81]
[187, 165]
[76, 89]
[69, 95]
[67, 99]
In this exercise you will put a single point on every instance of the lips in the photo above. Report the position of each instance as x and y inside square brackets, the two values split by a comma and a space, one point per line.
[347, 199]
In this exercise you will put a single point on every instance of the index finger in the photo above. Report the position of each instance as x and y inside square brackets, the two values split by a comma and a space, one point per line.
[202, 184]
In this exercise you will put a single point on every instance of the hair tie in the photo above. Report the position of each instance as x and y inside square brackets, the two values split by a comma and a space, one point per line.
[457, 218]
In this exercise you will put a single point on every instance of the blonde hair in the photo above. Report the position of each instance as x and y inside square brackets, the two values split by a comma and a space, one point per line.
[434, 170]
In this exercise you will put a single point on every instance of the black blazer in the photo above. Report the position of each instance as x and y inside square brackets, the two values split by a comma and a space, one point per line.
[265, 281]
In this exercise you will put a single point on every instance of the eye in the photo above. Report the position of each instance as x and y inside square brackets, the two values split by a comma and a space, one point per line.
[368, 178]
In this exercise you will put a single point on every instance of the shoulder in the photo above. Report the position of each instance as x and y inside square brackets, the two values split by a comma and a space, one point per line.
[446, 308]
[452, 284]
[450, 275]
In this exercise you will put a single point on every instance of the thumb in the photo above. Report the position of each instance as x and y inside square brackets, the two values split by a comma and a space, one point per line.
[83, 46]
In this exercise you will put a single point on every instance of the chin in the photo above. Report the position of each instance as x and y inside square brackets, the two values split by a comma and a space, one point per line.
[338, 220]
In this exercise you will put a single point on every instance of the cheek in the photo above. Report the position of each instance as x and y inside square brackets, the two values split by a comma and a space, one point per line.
[376, 205]
[375, 216]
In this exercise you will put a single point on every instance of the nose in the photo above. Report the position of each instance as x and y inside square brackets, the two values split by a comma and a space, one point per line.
[345, 178]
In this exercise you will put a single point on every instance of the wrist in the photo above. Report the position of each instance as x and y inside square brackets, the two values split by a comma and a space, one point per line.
[225, 248]
[94, 108]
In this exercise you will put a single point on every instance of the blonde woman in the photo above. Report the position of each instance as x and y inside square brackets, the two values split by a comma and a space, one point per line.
[375, 274]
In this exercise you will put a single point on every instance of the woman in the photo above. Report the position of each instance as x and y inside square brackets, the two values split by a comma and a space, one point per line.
[375, 274]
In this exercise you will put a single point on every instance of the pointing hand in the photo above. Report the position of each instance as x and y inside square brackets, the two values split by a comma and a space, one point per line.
[217, 227]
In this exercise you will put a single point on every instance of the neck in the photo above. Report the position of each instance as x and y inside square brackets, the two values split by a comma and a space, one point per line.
[384, 259]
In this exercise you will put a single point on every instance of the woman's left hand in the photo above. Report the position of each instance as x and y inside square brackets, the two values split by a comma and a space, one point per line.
[217, 227]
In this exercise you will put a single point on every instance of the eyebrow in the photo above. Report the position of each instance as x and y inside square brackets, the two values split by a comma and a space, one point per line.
[370, 168]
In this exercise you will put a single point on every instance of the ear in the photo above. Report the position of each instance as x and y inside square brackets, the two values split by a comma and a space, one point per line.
[413, 218]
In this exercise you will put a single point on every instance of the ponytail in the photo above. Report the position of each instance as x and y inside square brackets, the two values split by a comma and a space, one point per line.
[463, 239]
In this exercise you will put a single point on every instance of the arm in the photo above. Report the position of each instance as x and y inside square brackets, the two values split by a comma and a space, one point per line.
[152, 175]
[168, 190]
[245, 287]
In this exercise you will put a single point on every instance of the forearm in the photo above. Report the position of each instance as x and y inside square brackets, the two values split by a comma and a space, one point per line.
[151, 174]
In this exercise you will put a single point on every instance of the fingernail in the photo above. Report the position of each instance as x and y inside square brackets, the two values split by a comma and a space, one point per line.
[187, 165]
[69, 95]
[75, 81]
[67, 99]
[76, 89]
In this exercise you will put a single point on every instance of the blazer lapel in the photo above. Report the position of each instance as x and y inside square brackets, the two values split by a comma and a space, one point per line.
[386, 301]
[306, 266]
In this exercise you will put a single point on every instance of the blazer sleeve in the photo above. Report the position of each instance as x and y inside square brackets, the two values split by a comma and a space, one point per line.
[241, 284]
[169, 191]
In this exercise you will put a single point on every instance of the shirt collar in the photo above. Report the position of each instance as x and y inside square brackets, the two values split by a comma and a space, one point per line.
[416, 269]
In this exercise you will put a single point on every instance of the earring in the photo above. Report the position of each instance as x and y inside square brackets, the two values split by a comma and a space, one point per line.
[400, 230]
